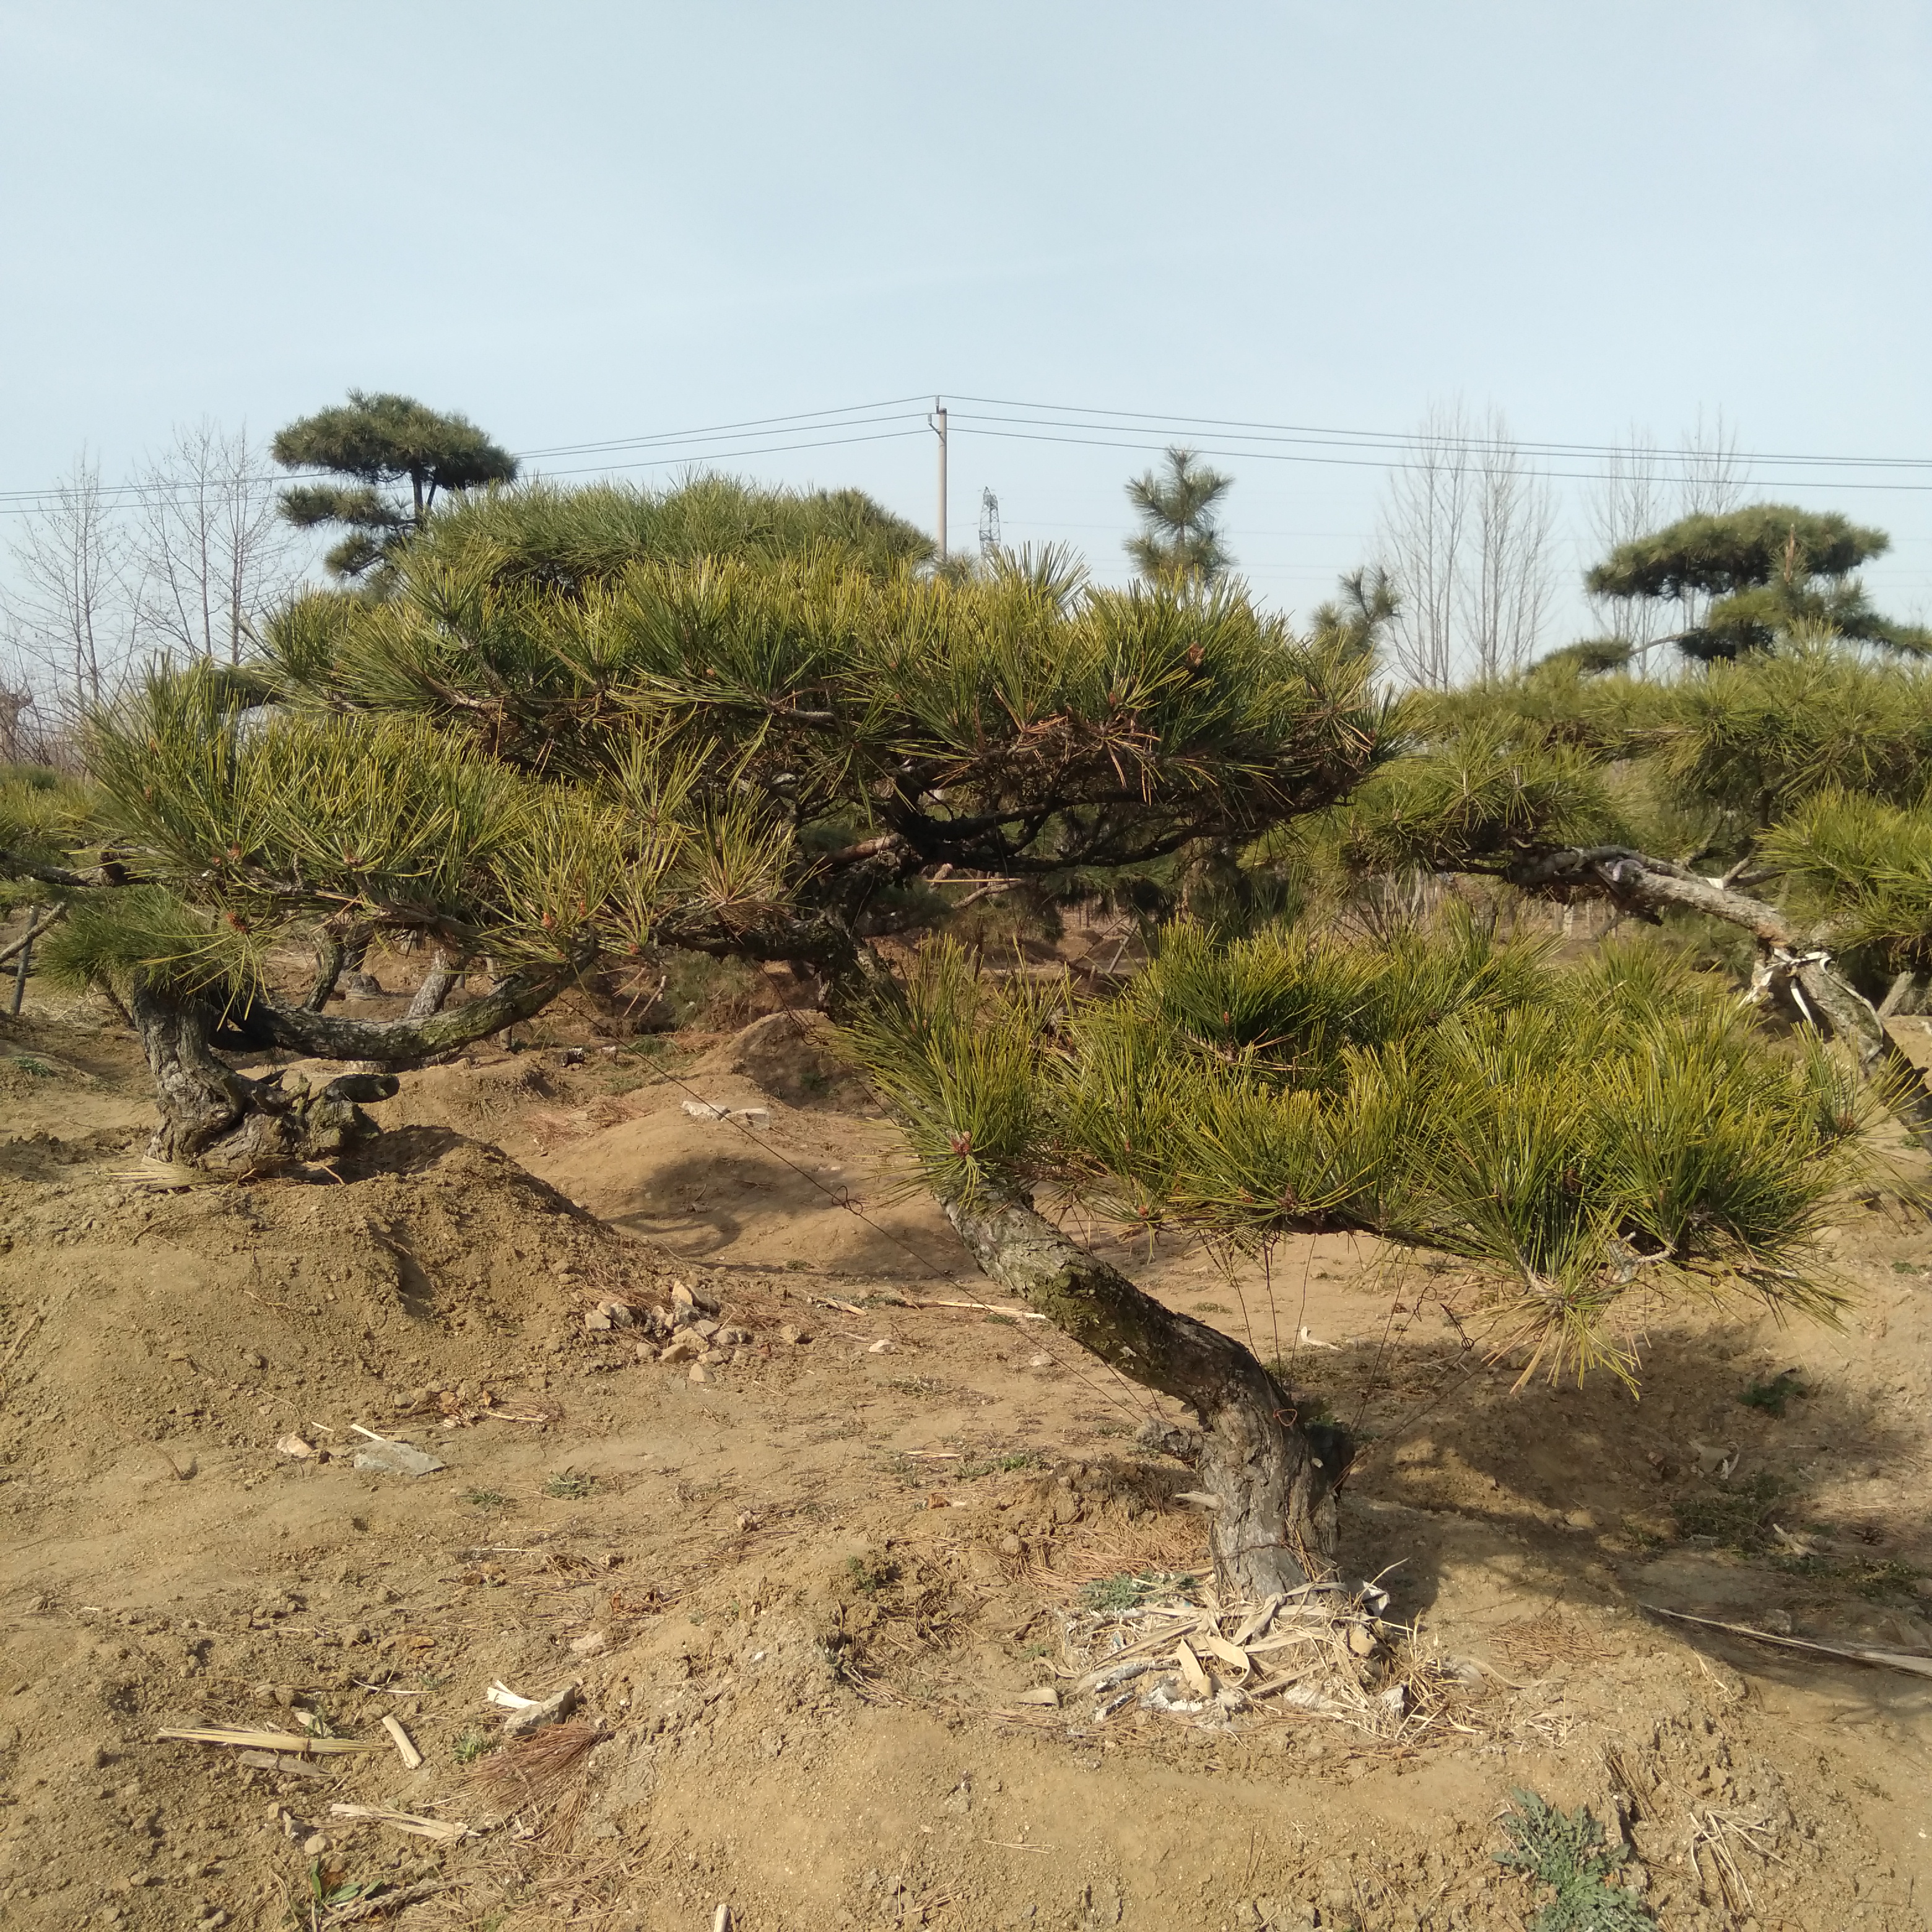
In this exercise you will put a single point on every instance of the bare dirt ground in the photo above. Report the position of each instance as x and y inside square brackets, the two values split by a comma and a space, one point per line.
[805, 1595]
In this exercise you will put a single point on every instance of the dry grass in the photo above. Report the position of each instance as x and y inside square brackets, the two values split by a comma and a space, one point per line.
[1537, 1644]
[538, 1771]
[1164, 1544]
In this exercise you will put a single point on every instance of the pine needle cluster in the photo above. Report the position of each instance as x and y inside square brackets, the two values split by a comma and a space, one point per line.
[1577, 1132]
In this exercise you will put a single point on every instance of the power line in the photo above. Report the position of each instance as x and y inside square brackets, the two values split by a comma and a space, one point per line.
[1406, 438]
[48, 498]
[1040, 430]
[1078, 425]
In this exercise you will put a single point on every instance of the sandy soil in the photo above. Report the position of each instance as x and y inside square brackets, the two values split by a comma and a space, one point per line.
[804, 1599]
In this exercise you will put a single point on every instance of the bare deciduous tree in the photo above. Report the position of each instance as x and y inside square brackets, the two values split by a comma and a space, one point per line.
[72, 616]
[1506, 584]
[1423, 534]
[214, 550]
[1628, 503]
[1466, 533]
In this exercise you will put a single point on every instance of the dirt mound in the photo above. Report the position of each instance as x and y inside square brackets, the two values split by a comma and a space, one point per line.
[791, 1056]
[172, 1325]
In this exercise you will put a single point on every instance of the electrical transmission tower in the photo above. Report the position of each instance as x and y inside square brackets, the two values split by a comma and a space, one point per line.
[989, 522]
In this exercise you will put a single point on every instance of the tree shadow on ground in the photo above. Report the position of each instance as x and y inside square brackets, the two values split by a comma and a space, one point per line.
[703, 1207]
[1691, 1498]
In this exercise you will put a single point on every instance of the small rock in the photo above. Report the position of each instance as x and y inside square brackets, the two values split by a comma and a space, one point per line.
[732, 1338]
[796, 1336]
[1066, 1508]
[1361, 1640]
[647, 1351]
[589, 1644]
[1579, 1518]
[396, 1459]
[552, 1710]
[1010, 1545]
[699, 1372]
[596, 1320]
[705, 1327]
[251, 1359]
[295, 1446]
[314, 1845]
[682, 1297]
[686, 1347]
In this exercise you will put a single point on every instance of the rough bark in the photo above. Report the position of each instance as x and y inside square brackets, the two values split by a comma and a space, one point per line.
[1802, 961]
[444, 974]
[1273, 1476]
[409, 1042]
[214, 1118]
[329, 958]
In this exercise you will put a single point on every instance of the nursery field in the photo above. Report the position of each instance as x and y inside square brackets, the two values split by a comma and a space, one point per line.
[824, 1536]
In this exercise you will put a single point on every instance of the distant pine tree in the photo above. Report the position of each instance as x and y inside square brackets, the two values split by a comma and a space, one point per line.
[1180, 541]
[1769, 570]
[381, 441]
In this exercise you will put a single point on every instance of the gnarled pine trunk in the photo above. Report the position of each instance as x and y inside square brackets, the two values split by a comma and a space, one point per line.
[1273, 1476]
[214, 1118]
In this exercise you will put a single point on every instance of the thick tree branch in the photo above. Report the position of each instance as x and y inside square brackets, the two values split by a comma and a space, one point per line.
[406, 1042]
[14, 948]
[1648, 886]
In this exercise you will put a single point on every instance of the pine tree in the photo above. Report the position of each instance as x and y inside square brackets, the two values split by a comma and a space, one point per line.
[771, 756]
[380, 441]
[1757, 575]
[1180, 541]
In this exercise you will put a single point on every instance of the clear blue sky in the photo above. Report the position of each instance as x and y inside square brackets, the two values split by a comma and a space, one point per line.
[589, 220]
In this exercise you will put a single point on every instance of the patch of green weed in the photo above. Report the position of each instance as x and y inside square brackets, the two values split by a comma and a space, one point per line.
[869, 1579]
[571, 1486]
[483, 1498]
[1737, 1518]
[1130, 1589]
[973, 1467]
[1772, 1395]
[471, 1746]
[1565, 1850]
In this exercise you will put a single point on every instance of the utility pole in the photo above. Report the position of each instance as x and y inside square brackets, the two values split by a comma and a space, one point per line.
[938, 421]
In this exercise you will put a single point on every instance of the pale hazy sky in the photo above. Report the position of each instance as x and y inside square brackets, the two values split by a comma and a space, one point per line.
[587, 220]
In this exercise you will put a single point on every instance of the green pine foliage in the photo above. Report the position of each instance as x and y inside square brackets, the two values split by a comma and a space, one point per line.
[1179, 541]
[1578, 1132]
[572, 541]
[1769, 569]
[377, 442]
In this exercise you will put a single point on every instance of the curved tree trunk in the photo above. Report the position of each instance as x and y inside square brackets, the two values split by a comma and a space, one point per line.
[1273, 1476]
[214, 1118]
